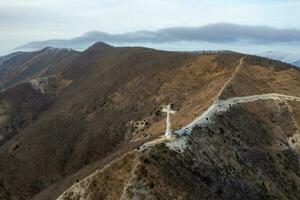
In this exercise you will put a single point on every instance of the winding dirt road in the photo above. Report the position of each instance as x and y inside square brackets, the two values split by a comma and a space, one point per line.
[224, 105]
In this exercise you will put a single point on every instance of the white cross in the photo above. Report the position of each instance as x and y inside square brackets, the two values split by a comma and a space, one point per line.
[168, 110]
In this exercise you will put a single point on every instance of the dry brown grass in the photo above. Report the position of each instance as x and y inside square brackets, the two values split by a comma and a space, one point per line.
[102, 90]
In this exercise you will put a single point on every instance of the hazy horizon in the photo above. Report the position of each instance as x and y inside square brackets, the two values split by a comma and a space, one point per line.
[27, 21]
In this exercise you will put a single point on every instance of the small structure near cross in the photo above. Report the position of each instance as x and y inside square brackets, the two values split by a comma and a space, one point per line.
[168, 110]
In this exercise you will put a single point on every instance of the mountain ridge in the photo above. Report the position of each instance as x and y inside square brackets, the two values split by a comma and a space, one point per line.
[21, 66]
[107, 101]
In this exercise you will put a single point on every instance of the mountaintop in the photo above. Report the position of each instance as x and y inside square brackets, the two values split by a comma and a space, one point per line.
[89, 125]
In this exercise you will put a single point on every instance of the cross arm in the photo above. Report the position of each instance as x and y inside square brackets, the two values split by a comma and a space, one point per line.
[169, 111]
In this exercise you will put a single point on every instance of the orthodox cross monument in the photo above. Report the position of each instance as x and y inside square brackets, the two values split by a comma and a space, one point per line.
[168, 110]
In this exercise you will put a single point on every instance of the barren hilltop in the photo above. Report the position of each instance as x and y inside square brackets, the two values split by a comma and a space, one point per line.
[89, 125]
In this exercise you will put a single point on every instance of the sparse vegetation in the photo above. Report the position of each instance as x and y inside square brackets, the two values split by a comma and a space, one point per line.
[63, 135]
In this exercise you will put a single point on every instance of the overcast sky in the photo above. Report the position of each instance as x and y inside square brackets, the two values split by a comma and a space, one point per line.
[23, 21]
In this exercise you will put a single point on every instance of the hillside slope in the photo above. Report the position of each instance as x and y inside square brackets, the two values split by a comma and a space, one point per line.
[24, 66]
[106, 102]
[240, 148]
[240, 153]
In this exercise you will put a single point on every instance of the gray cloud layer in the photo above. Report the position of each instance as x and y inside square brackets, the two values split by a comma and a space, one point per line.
[214, 33]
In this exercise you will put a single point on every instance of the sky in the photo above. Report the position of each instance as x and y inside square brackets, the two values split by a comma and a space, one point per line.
[23, 21]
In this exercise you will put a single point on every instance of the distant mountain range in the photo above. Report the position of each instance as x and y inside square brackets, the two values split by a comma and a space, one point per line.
[292, 58]
[215, 33]
[212, 36]
[297, 63]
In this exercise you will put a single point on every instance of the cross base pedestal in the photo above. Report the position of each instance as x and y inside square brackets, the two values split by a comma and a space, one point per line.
[169, 134]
